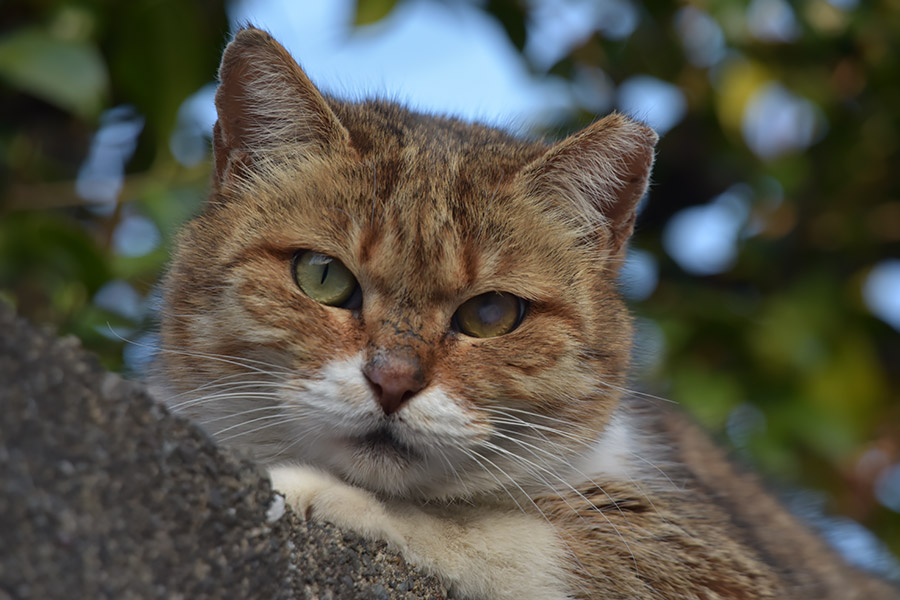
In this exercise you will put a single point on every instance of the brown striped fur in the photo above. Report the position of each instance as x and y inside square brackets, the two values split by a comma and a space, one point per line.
[428, 212]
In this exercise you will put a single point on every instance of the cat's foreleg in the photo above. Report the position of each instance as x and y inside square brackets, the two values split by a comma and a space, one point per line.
[480, 554]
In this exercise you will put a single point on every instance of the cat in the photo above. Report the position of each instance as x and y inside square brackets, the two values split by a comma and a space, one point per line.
[412, 323]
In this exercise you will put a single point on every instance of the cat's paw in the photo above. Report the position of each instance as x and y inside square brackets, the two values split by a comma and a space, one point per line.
[316, 495]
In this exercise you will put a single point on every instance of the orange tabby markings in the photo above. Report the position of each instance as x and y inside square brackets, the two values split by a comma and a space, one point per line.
[513, 466]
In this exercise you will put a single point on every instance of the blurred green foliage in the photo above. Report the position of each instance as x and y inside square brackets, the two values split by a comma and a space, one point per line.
[61, 64]
[779, 349]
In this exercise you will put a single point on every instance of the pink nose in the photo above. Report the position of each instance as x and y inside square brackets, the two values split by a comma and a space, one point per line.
[394, 379]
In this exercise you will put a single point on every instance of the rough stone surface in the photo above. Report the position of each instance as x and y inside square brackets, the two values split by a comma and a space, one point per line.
[104, 494]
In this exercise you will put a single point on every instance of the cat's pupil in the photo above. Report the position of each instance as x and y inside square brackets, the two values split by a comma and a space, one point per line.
[326, 280]
[489, 315]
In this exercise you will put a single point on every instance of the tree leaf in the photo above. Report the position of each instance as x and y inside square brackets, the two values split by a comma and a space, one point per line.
[512, 15]
[69, 74]
[372, 11]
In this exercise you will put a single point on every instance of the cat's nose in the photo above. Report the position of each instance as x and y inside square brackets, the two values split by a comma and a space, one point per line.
[394, 379]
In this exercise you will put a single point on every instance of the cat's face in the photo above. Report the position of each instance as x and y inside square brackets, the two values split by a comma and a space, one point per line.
[422, 307]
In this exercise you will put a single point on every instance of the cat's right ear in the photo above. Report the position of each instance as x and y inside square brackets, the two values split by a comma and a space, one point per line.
[266, 104]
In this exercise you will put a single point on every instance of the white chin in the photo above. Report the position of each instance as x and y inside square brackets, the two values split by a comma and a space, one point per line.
[387, 474]
[397, 471]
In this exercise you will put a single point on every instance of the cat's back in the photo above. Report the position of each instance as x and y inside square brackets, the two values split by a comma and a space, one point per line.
[687, 522]
[805, 563]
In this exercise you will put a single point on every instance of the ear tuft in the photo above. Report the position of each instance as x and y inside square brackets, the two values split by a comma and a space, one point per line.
[602, 172]
[266, 103]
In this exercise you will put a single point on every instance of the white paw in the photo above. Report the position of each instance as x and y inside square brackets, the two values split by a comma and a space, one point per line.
[314, 494]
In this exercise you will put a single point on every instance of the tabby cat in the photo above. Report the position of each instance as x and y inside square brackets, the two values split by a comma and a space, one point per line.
[412, 322]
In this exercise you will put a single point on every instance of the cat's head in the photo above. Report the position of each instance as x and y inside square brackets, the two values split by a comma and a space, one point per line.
[421, 306]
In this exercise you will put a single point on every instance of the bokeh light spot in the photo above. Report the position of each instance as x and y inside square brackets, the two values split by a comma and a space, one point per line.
[777, 122]
[703, 239]
[135, 236]
[659, 104]
[881, 292]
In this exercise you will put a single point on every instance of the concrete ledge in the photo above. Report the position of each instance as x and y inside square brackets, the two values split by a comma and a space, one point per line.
[104, 494]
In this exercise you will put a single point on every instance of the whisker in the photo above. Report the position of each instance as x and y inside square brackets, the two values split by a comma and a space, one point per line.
[283, 450]
[531, 465]
[266, 426]
[239, 414]
[567, 423]
[543, 515]
[285, 419]
[240, 384]
[637, 393]
[206, 399]
[657, 468]
[453, 470]
[233, 360]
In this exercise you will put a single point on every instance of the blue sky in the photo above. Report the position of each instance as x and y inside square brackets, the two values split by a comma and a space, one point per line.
[432, 56]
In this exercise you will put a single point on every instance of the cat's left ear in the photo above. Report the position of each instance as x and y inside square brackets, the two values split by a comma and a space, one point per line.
[601, 172]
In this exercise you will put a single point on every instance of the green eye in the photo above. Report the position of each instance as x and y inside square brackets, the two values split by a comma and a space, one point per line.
[490, 314]
[326, 280]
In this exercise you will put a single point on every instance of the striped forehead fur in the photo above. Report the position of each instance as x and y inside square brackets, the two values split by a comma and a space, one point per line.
[426, 213]
[390, 198]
